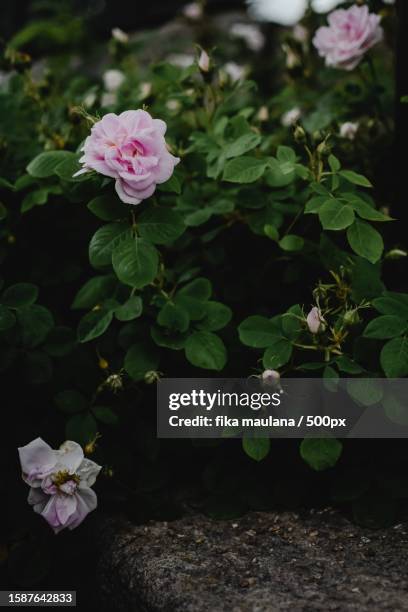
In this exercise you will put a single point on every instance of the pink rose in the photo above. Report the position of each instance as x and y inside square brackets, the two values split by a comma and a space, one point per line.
[131, 148]
[350, 34]
[60, 482]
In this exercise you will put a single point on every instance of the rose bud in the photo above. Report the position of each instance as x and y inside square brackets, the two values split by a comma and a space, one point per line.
[315, 321]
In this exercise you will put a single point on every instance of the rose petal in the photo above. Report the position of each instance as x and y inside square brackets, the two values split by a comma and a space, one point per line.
[65, 506]
[86, 502]
[88, 472]
[70, 456]
[37, 459]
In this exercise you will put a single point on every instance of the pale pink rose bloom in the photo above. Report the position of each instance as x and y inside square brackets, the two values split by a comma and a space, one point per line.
[130, 148]
[270, 377]
[193, 11]
[60, 482]
[271, 380]
[315, 321]
[348, 130]
[349, 35]
[291, 116]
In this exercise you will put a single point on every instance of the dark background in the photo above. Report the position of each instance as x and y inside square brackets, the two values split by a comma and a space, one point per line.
[105, 14]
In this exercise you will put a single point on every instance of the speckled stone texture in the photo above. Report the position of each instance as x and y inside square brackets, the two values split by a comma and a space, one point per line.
[262, 562]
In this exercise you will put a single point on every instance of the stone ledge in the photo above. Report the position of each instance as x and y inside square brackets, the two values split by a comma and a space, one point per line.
[262, 562]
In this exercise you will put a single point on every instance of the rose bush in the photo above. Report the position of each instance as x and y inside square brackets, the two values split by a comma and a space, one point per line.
[262, 244]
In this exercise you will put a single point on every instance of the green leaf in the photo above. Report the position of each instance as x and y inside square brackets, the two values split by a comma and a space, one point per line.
[198, 217]
[356, 179]
[139, 359]
[130, 310]
[199, 288]
[292, 321]
[34, 198]
[334, 163]
[45, 164]
[312, 365]
[206, 350]
[335, 216]
[279, 174]
[365, 391]
[256, 448]
[104, 242]
[330, 379]
[5, 184]
[242, 145]
[347, 365]
[81, 428]
[70, 166]
[174, 317]
[285, 154]
[365, 241]
[107, 208]
[394, 358]
[36, 322]
[173, 185]
[160, 225]
[193, 298]
[217, 316]
[22, 294]
[106, 415]
[94, 324]
[94, 292]
[314, 204]
[320, 453]
[7, 318]
[395, 409]
[135, 261]
[277, 355]
[195, 307]
[259, 332]
[244, 169]
[387, 326]
[291, 242]
[3, 211]
[366, 280]
[363, 209]
[392, 304]
[168, 339]
[70, 401]
[271, 232]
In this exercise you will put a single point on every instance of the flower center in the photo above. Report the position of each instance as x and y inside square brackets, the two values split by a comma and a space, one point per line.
[60, 478]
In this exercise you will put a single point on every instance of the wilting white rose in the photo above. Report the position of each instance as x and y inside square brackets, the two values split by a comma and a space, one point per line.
[60, 482]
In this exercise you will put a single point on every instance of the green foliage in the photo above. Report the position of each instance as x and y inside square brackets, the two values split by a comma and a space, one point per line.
[321, 453]
[256, 448]
[206, 350]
